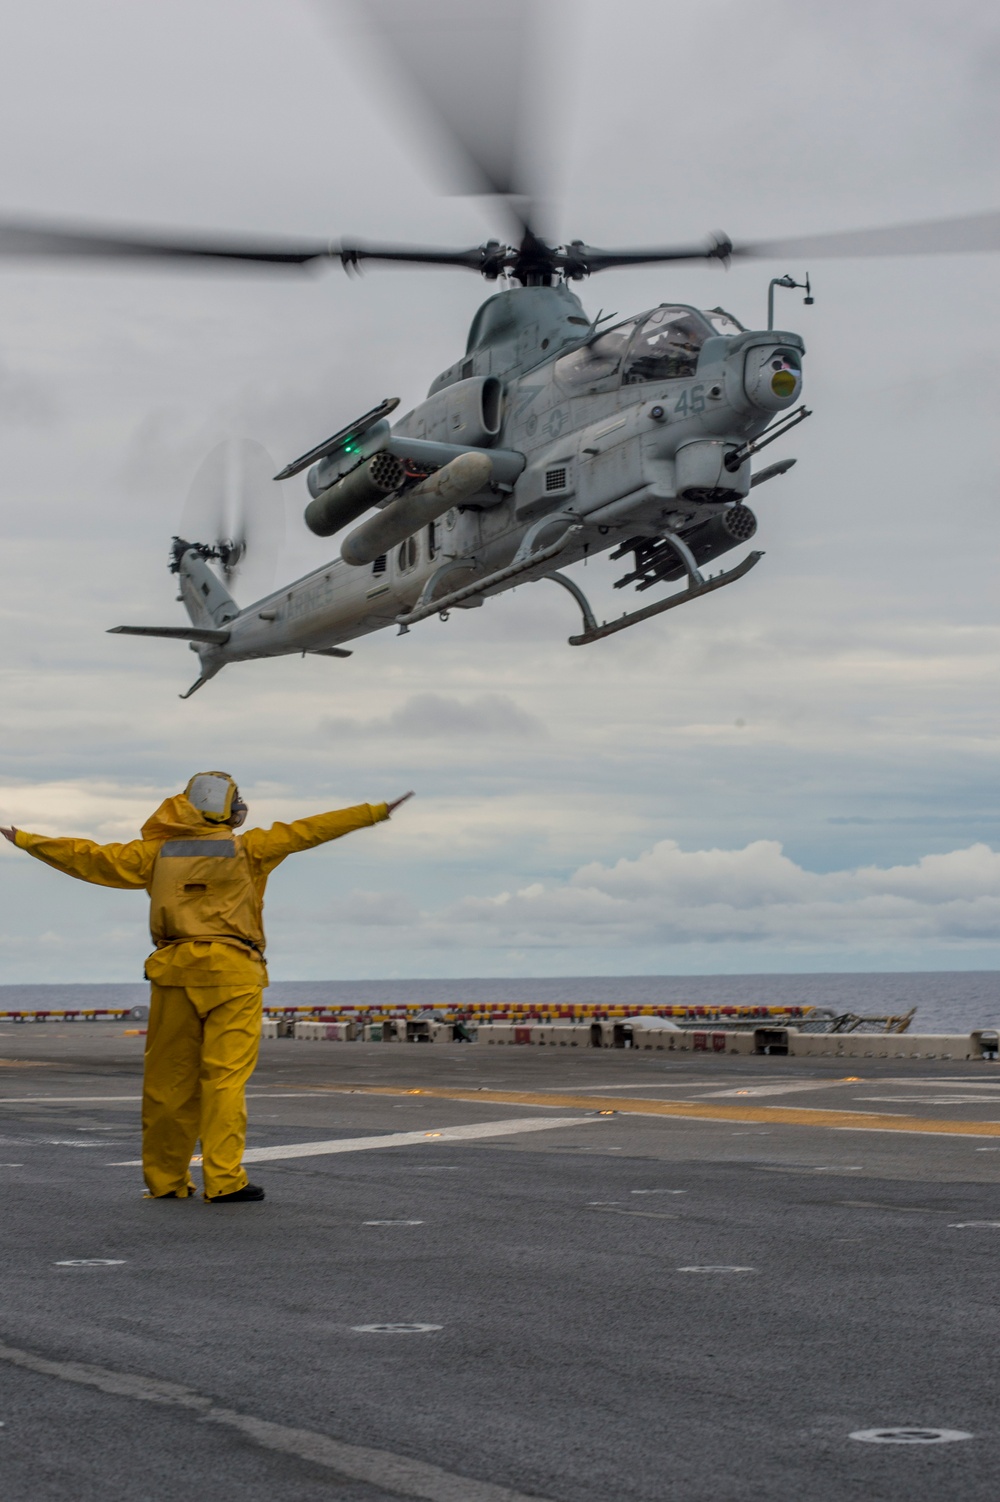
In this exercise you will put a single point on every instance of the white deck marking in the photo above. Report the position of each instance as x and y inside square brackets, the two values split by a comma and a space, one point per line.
[647, 1085]
[716, 1269]
[954, 1081]
[909, 1436]
[65, 1100]
[788, 1088]
[395, 1329]
[748, 1088]
[96, 1100]
[379, 1468]
[404, 1139]
[91, 1262]
[922, 1133]
[931, 1100]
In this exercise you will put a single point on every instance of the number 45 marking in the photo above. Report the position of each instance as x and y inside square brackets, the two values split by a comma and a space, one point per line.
[691, 401]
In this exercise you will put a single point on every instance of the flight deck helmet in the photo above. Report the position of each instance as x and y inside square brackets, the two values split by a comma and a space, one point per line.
[217, 798]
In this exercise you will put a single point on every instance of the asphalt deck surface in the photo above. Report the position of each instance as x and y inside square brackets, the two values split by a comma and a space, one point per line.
[620, 1308]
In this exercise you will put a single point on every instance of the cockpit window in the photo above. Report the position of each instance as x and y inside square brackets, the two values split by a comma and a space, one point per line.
[596, 360]
[723, 322]
[667, 346]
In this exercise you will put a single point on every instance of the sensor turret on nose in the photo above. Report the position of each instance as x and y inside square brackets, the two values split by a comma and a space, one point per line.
[772, 377]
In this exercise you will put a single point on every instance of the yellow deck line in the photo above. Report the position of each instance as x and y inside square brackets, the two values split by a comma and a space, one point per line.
[692, 1110]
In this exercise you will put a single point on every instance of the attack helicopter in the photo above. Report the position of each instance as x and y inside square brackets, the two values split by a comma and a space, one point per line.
[556, 436]
[549, 440]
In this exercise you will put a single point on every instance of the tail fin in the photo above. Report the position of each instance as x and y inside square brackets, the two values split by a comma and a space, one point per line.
[209, 605]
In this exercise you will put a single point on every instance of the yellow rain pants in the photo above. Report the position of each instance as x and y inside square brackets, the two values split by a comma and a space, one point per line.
[201, 1048]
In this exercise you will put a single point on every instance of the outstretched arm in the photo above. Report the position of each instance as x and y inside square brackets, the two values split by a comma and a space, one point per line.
[266, 848]
[107, 865]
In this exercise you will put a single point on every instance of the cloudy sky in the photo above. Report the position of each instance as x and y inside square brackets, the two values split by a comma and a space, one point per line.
[799, 773]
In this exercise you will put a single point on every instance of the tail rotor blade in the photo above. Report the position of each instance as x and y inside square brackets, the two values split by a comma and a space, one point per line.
[203, 518]
[258, 517]
[233, 511]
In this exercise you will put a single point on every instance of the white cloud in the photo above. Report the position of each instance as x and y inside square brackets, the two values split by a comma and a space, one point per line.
[99, 810]
[757, 896]
[378, 910]
[431, 716]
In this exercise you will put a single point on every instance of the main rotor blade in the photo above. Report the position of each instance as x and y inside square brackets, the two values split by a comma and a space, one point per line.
[351, 253]
[30, 239]
[967, 234]
[582, 260]
[465, 62]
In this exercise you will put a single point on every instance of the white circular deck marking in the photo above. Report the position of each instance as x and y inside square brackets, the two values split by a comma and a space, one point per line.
[968, 1225]
[392, 1222]
[91, 1262]
[908, 1436]
[716, 1269]
[396, 1329]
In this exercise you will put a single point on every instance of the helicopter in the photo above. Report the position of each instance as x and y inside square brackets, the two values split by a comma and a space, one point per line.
[556, 436]
[551, 439]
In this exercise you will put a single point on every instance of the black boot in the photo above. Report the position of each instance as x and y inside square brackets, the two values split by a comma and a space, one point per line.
[238, 1196]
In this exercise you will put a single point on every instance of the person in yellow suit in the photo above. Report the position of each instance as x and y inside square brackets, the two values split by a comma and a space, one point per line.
[206, 888]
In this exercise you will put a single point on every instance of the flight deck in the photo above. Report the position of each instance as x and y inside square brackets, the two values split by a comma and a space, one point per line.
[500, 1274]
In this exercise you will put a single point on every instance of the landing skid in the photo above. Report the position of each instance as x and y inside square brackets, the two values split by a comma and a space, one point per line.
[697, 585]
[528, 558]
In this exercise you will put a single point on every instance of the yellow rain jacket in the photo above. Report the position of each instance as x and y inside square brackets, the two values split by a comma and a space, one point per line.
[205, 881]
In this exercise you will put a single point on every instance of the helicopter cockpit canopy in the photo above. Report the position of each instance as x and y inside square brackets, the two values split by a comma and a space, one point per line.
[724, 323]
[595, 361]
[667, 345]
[660, 346]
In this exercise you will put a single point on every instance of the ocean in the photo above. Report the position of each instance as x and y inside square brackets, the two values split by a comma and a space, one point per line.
[946, 1000]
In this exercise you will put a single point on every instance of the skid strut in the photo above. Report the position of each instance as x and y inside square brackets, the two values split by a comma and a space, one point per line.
[697, 585]
[525, 560]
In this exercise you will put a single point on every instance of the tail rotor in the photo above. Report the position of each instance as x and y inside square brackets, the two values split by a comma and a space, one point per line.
[234, 516]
